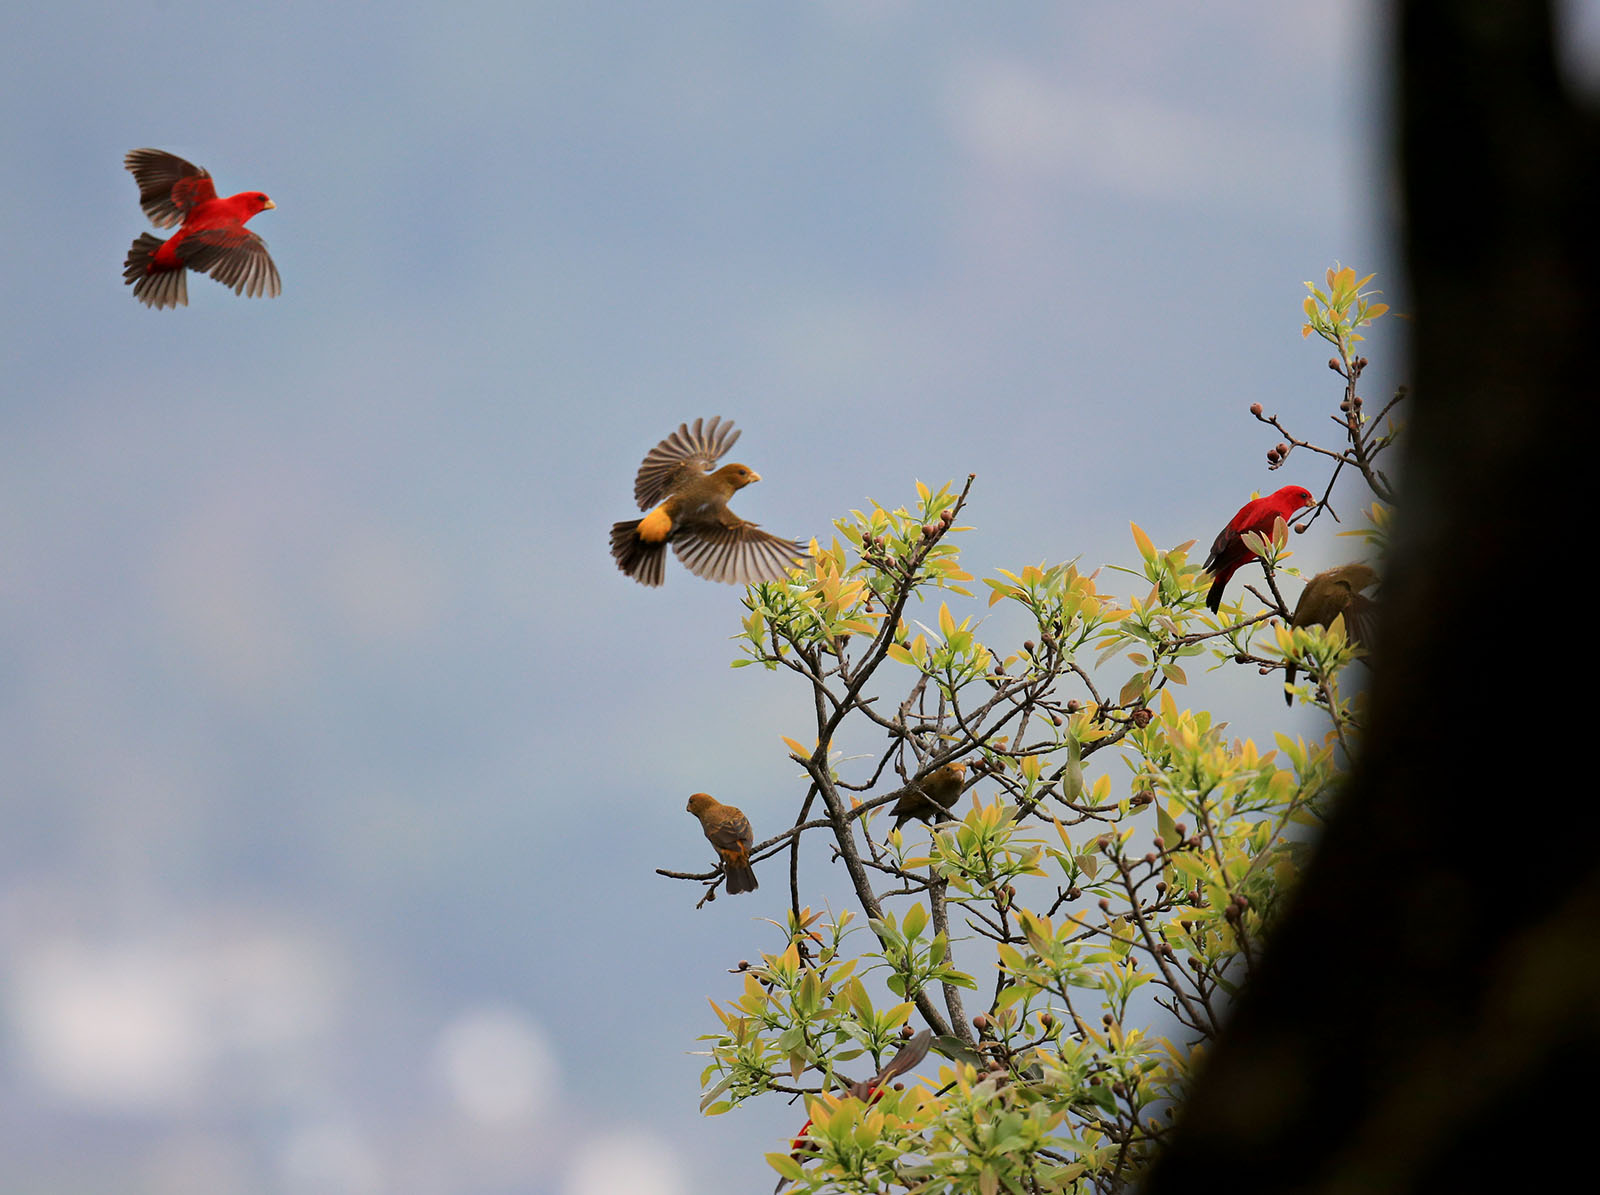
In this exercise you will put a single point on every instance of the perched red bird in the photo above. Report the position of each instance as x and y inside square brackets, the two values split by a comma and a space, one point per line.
[688, 508]
[1229, 553]
[729, 831]
[1328, 595]
[213, 238]
[869, 1091]
[931, 797]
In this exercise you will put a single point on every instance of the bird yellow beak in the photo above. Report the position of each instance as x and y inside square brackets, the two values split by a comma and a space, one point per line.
[269, 203]
[754, 476]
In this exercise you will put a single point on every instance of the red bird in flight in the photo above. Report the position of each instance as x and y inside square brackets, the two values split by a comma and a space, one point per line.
[1229, 553]
[213, 238]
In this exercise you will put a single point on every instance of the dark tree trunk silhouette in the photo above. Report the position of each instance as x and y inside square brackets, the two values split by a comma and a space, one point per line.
[1436, 988]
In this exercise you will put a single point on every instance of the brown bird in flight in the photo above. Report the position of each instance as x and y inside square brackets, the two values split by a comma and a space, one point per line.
[931, 797]
[688, 508]
[1328, 595]
[729, 832]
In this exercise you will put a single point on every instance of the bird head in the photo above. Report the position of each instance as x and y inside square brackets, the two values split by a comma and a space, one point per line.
[700, 802]
[737, 476]
[259, 201]
[1297, 496]
[1358, 576]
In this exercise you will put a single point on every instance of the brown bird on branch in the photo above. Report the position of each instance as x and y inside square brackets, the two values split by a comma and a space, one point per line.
[931, 797]
[1328, 595]
[729, 832]
[688, 508]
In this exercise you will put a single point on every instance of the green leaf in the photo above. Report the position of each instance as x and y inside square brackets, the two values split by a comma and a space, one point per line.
[1072, 778]
[1142, 542]
[916, 919]
[787, 1167]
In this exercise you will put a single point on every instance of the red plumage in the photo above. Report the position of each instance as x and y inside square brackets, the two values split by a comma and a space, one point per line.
[1229, 552]
[213, 238]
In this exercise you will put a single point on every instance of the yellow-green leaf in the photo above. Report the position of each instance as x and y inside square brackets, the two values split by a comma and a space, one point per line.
[1142, 542]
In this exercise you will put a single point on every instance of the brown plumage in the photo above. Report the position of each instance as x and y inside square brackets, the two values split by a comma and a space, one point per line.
[931, 797]
[729, 832]
[1328, 595]
[688, 508]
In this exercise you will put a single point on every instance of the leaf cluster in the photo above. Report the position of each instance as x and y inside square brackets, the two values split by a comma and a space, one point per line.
[1101, 889]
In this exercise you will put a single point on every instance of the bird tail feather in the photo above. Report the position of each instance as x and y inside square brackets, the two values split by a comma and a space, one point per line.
[1214, 597]
[154, 287]
[645, 562]
[740, 875]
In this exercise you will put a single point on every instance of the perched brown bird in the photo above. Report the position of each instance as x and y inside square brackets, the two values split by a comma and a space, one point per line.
[729, 831]
[930, 798]
[1328, 595]
[688, 508]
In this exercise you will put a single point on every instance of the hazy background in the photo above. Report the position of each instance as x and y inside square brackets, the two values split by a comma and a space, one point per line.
[335, 755]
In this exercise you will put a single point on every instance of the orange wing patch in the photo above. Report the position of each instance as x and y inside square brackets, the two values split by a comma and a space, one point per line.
[656, 525]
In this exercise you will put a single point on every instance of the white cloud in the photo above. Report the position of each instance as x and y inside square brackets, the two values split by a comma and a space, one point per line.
[147, 1026]
[496, 1066]
[637, 1163]
[1026, 124]
[117, 1028]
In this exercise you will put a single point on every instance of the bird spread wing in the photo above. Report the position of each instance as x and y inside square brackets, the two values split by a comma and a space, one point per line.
[168, 186]
[686, 453]
[235, 257]
[737, 552]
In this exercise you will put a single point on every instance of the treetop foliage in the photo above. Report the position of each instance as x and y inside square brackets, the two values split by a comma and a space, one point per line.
[1070, 929]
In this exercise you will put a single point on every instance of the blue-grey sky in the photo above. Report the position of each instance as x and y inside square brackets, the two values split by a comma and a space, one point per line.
[335, 755]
